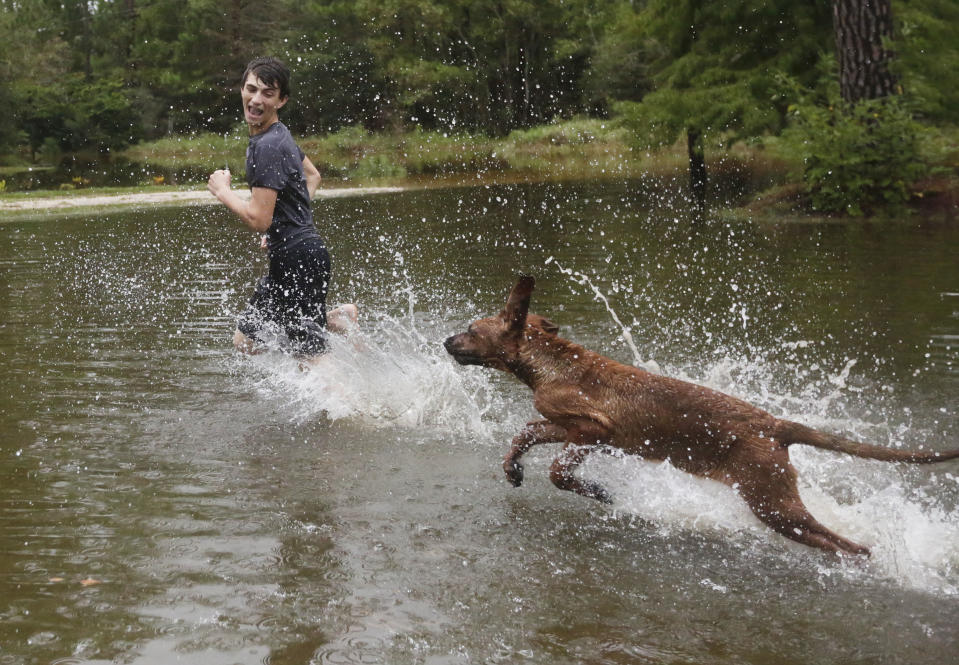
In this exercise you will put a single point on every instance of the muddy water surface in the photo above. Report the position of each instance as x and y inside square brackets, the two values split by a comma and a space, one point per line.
[163, 500]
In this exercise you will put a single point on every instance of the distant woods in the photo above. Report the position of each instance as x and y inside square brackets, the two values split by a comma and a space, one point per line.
[105, 74]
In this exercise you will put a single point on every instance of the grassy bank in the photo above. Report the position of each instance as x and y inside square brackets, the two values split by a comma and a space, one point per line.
[353, 157]
[762, 176]
[572, 149]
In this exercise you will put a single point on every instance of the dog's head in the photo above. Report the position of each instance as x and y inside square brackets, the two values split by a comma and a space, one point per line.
[492, 342]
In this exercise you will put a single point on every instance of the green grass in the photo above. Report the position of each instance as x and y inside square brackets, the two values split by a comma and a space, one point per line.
[575, 148]
[579, 148]
[572, 149]
[94, 191]
[203, 152]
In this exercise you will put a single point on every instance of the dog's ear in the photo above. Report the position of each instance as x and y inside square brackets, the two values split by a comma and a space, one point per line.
[543, 323]
[517, 305]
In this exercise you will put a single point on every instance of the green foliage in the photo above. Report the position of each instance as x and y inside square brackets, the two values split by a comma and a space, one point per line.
[355, 153]
[203, 153]
[447, 65]
[440, 153]
[576, 131]
[927, 56]
[856, 157]
[78, 114]
[712, 65]
[376, 167]
[438, 82]
[577, 147]
[623, 60]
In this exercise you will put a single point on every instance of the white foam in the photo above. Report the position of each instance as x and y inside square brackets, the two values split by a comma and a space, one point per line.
[395, 373]
[384, 374]
[897, 510]
[914, 539]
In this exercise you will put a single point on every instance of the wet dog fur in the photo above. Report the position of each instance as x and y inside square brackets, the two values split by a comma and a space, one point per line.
[590, 402]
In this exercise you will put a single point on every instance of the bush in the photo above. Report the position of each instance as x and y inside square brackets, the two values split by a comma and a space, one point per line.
[202, 152]
[373, 167]
[856, 157]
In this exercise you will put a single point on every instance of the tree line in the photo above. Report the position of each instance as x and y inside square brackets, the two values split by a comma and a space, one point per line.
[104, 74]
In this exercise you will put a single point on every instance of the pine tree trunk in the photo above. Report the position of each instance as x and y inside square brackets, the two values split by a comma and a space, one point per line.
[131, 14]
[861, 26]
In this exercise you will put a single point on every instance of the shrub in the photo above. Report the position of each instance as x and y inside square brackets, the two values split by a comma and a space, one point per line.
[373, 167]
[856, 157]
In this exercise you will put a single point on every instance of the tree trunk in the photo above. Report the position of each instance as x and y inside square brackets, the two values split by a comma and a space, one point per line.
[697, 169]
[131, 12]
[861, 26]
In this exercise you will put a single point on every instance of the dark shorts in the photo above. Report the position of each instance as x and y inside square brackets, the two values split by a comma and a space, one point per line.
[288, 306]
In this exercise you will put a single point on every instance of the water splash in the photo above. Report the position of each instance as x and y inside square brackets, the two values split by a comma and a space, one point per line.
[905, 514]
[393, 372]
[902, 516]
[385, 374]
[583, 280]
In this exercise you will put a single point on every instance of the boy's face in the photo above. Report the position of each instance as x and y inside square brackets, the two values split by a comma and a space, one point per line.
[261, 104]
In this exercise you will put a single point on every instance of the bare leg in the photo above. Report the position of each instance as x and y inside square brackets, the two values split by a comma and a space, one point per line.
[244, 344]
[535, 433]
[339, 320]
[342, 319]
[563, 468]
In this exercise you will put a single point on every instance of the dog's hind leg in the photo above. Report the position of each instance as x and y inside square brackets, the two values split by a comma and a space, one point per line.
[563, 468]
[535, 433]
[775, 500]
[796, 523]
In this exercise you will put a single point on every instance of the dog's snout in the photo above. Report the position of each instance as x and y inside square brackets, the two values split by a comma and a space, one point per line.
[455, 347]
[449, 343]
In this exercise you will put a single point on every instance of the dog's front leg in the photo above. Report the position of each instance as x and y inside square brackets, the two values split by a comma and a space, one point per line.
[535, 433]
[564, 466]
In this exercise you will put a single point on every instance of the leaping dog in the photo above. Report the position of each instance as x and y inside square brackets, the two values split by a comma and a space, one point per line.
[590, 402]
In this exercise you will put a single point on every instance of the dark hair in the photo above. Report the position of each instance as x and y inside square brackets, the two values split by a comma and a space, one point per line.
[272, 72]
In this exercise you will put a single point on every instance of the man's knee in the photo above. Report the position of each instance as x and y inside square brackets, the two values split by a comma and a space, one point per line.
[243, 344]
[343, 318]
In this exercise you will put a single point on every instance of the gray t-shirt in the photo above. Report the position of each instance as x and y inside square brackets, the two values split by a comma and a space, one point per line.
[274, 160]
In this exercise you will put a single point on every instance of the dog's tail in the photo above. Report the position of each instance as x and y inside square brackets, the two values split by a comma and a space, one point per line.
[790, 432]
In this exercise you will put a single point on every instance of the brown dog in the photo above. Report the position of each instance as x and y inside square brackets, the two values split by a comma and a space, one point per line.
[590, 402]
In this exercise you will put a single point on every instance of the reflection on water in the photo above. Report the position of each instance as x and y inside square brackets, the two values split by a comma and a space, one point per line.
[163, 500]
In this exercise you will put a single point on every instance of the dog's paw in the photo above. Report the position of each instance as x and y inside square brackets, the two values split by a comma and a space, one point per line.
[514, 472]
[598, 492]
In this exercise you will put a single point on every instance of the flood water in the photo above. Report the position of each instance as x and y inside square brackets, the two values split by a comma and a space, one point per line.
[163, 500]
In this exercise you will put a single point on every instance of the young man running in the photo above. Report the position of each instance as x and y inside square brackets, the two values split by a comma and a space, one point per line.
[291, 298]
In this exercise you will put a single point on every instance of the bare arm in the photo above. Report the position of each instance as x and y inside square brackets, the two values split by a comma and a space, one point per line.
[257, 213]
[312, 176]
